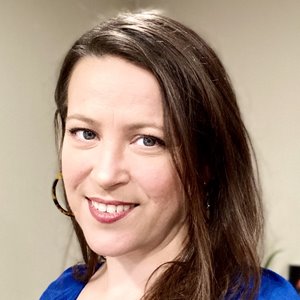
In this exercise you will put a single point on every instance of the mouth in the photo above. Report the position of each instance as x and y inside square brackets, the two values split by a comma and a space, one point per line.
[109, 211]
[111, 208]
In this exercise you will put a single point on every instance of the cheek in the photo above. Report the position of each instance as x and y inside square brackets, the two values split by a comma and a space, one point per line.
[160, 182]
[73, 167]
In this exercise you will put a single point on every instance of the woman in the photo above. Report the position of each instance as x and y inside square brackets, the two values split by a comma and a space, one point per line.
[157, 169]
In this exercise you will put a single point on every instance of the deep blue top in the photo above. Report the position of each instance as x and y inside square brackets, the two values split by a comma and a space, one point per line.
[273, 287]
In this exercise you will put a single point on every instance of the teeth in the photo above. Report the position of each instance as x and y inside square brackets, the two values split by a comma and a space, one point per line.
[126, 207]
[111, 208]
[101, 207]
[120, 208]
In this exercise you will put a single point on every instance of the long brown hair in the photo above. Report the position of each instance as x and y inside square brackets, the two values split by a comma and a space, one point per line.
[213, 154]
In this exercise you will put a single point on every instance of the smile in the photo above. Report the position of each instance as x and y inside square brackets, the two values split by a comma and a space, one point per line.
[109, 212]
[110, 208]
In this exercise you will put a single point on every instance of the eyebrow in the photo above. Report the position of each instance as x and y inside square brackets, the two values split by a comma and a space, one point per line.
[129, 127]
[82, 118]
[141, 125]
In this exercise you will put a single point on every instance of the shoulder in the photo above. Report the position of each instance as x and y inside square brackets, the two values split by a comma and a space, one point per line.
[275, 287]
[64, 287]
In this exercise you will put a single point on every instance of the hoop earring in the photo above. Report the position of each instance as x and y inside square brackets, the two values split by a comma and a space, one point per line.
[54, 198]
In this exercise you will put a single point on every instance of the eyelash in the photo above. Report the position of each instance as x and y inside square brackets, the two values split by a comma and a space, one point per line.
[74, 131]
[157, 141]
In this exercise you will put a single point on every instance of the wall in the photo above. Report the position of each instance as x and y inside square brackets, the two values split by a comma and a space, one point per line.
[259, 42]
[35, 34]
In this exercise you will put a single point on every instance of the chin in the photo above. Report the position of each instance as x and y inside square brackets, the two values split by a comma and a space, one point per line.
[109, 251]
[107, 246]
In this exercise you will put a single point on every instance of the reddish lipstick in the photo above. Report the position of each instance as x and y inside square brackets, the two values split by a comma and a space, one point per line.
[109, 211]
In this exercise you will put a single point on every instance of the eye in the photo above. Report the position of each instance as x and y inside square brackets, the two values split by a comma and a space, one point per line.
[149, 141]
[83, 133]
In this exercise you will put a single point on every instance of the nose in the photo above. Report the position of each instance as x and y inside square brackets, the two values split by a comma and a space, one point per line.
[109, 167]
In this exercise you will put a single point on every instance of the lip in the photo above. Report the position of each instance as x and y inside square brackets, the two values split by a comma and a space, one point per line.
[107, 202]
[105, 217]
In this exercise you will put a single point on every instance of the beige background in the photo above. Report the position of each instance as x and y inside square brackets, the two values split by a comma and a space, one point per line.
[258, 41]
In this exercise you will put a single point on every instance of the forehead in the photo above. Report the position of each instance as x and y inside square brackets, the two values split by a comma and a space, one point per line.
[114, 81]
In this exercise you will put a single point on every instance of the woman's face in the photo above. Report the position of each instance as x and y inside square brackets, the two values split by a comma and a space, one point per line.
[119, 178]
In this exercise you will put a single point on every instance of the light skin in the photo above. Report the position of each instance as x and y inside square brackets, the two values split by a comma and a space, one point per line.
[114, 153]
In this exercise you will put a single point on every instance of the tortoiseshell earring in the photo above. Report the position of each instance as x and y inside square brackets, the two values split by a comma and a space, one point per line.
[54, 197]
